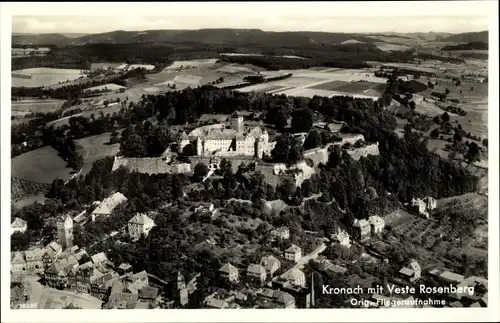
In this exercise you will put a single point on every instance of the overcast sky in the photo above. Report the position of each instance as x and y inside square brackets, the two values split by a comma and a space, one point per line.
[434, 16]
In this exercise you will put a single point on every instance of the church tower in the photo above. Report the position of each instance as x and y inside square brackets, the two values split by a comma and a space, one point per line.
[65, 232]
[237, 123]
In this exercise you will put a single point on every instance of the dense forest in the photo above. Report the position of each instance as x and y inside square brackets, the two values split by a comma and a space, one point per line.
[476, 45]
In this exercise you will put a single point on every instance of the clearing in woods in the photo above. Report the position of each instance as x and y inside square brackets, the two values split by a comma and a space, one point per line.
[42, 165]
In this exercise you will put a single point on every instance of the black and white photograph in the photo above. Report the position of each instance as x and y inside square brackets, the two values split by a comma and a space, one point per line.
[327, 158]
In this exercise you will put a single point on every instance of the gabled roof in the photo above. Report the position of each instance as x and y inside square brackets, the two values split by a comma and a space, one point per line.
[451, 276]
[141, 219]
[148, 292]
[228, 269]
[293, 248]
[183, 136]
[18, 222]
[110, 203]
[98, 258]
[217, 303]
[125, 266]
[406, 271]
[17, 258]
[269, 262]
[54, 246]
[256, 269]
[294, 274]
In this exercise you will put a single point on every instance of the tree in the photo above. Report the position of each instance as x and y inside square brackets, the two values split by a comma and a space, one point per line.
[200, 171]
[447, 91]
[412, 105]
[434, 133]
[313, 140]
[457, 137]
[302, 120]
[473, 153]
[485, 142]
[445, 117]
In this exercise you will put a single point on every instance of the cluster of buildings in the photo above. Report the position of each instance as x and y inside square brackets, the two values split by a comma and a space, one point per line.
[220, 140]
[423, 206]
[362, 229]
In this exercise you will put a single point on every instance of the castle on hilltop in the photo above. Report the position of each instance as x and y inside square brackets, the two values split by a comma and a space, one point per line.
[233, 141]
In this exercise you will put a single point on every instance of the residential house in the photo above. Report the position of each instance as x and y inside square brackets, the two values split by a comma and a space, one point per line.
[99, 258]
[140, 225]
[451, 277]
[18, 225]
[124, 268]
[149, 294]
[271, 264]
[122, 301]
[281, 233]
[34, 258]
[268, 298]
[257, 273]
[294, 253]
[430, 203]
[229, 272]
[412, 272]
[361, 228]
[296, 277]
[107, 206]
[213, 302]
[418, 205]
[52, 250]
[341, 237]
[377, 224]
[17, 262]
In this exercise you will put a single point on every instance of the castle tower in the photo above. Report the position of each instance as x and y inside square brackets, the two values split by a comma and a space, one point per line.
[182, 142]
[199, 146]
[259, 148]
[65, 232]
[181, 282]
[237, 123]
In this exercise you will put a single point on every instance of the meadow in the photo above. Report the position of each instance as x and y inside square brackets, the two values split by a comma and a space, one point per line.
[42, 76]
[34, 106]
[41, 165]
[94, 148]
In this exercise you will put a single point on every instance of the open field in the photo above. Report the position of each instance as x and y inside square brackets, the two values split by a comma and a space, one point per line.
[249, 54]
[86, 114]
[109, 87]
[34, 77]
[20, 203]
[388, 47]
[176, 65]
[94, 148]
[41, 165]
[96, 66]
[326, 82]
[34, 106]
[21, 188]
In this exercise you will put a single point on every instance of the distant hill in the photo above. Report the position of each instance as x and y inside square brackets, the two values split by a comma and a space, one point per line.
[232, 36]
[481, 36]
[476, 45]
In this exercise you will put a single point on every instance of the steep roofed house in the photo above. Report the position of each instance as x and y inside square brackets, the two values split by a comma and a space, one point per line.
[99, 258]
[430, 202]
[268, 298]
[149, 294]
[229, 272]
[213, 302]
[140, 225]
[18, 225]
[34, 258]
[296, 277]
[293, 253]
[361, 228]
[17, 262]
[419, 205]
[281, 233]
[271, 264]
[412, 272]
[377, 224]
[107, 206]
[256, 273]
[52, 250]
[341, 237]
[124, 268]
